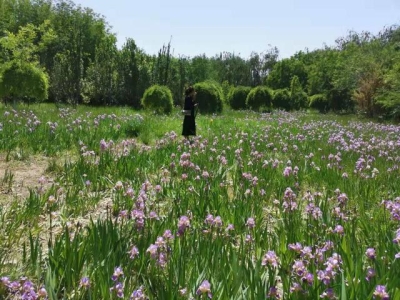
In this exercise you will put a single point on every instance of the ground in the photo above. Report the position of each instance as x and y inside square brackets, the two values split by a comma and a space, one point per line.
[25, 175]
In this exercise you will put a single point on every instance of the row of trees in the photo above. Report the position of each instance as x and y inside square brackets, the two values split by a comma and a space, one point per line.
[70, 53]
[76, 51]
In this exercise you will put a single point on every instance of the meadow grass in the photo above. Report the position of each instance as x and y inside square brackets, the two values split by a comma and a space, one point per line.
[259, 206]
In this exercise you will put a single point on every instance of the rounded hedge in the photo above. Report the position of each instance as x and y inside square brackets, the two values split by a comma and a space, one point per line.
[209, 97]
[299, 100]
[259, 97]
[282, 99]
[158, 98]
[237, 97]
[24, 80]
[319, 102]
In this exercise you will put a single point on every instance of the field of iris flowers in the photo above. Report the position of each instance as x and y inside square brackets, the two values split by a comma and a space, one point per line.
[109, 203]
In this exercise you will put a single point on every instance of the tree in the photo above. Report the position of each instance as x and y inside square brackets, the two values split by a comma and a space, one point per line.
[321, 71]
[25, 45]
[62, 87]
[262, 64]
[282, 73]
[21, 75]
[184, 77]
[231, 68]
[161, 68]
[201, 69]
[99, 86]
[80, 32]
[360, 72]
[366, 92]
[128, 74]
[389, 95]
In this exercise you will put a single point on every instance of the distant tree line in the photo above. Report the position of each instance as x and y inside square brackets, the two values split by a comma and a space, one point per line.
[60, 52]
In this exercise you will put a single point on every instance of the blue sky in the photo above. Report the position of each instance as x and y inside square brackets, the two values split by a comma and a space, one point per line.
[214, 26]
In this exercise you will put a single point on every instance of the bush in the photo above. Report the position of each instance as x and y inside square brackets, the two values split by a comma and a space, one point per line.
[158, 98]
[299, 97]
[299, 100]
[23, 80]
[319, 102]
[258, 97]
[209, 97]
[226, 89]
[237, 97]
[282, 99]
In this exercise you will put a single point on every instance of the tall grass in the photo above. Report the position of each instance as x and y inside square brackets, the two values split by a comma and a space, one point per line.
[289, 206]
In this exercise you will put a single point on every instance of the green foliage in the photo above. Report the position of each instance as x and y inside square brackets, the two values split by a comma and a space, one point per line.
[100, 84]
[321, 70]
[80, 35]
[21, 76]
[209, 97]
[283, 72]
[299, 97]
[282, 99]
[62, 89]
[365, 93]
[237, 97]
[226, 88]
[201, 69]
[23, 80]
[319, 102]
[389, 95]
[158, 98]
[27, 43]
[133, 74]
[231, 68]
[262, 64]
[360, 69]
[258, 97]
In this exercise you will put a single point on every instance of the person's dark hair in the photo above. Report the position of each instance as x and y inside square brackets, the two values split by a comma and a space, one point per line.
[189, 90]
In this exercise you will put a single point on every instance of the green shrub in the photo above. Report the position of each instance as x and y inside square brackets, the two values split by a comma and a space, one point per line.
[23, 80]
[158, 98]
[209, 97]
[299, 97]
[237, 97]
[282, 99]
[299, 100]
[319, 102]
[258, 97]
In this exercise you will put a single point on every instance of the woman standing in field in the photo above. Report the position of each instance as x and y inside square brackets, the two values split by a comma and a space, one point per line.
[189, 122]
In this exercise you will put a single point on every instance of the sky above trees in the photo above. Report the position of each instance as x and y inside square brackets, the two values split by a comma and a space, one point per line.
[211, 26]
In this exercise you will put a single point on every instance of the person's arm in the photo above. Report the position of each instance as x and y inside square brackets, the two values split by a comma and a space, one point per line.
[194, 100]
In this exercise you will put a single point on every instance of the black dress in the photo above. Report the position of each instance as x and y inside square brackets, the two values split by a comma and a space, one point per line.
[189, 124]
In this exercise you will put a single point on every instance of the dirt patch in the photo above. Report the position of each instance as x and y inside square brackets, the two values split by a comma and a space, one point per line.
[16, 177]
